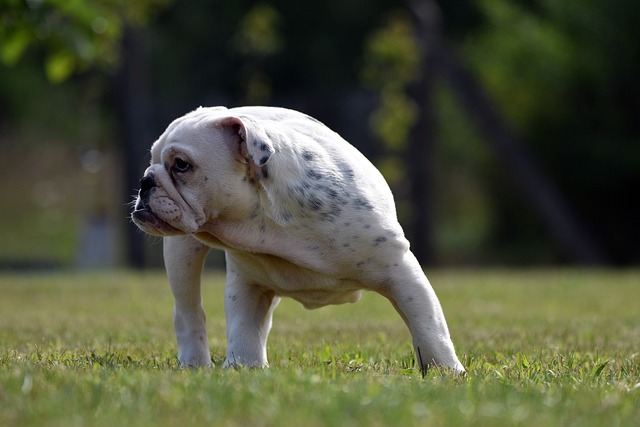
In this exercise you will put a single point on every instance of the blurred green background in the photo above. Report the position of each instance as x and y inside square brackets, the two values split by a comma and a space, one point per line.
[508, 130]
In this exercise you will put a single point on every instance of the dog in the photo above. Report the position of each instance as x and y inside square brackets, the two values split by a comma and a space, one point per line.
[299, 213]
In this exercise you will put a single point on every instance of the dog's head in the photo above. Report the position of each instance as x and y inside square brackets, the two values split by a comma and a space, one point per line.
[203, 167]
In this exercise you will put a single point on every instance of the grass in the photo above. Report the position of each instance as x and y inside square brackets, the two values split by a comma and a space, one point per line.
[542, 347]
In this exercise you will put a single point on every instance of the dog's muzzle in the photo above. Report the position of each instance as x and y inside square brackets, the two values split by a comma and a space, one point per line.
[147, 183]
[142, 209]
[143, 215]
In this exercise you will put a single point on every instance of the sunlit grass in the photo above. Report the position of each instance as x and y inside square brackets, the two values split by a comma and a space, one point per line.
[550, 347]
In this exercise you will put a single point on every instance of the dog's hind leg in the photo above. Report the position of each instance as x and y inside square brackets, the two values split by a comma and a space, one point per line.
[249, 310]
[413, 297]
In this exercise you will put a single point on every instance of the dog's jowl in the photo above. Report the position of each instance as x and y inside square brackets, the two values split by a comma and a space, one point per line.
[299, 213]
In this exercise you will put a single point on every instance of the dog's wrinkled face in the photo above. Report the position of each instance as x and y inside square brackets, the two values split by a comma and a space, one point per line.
[196, 164]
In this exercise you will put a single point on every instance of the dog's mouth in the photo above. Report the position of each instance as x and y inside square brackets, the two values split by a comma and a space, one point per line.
[150, 223]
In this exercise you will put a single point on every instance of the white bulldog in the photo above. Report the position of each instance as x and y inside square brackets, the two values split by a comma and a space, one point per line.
[299, 213]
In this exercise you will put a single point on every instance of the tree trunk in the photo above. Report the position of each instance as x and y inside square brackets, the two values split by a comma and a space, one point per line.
[420, 156]
[133, 105]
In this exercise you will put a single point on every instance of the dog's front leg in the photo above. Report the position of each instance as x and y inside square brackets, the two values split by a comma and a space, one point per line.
[249, 309]
[184, 257]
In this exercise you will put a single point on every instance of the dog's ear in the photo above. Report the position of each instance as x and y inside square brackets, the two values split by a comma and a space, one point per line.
[247, 140]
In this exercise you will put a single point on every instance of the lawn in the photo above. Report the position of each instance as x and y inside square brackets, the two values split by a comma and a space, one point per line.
[542, 348]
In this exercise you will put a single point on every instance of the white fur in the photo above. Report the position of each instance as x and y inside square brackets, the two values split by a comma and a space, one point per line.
[299, 213]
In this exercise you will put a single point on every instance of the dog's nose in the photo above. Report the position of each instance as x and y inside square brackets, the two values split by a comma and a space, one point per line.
[146, 183]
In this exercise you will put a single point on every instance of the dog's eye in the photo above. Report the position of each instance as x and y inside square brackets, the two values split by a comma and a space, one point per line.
[181, 165]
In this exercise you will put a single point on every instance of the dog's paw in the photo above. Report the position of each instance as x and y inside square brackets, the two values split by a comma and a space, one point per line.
[235, 363]
[191, 366]
[194, 363]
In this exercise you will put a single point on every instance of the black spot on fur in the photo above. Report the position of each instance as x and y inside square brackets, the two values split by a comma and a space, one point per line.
[379, 240]
[307, 155]
[264, 160]
[329, 216]
[313, 174]
[333, 193]
[263, 147]
[314, 203]
[286, 216]
[347, 172]
[362, 204]
[254, 213]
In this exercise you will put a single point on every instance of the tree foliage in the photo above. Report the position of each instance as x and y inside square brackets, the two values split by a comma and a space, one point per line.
[72, 35]
[390, 64]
